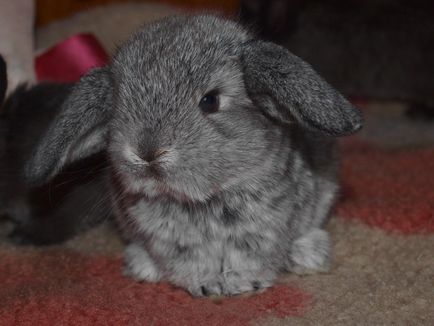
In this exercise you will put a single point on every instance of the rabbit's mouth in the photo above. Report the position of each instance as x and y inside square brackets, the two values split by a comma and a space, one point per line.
[157, 185]
[165, 191]
[160, 182]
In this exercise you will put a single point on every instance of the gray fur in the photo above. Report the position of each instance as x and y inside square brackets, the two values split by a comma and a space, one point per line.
[88, 102]
[230, 199]
[297, 89]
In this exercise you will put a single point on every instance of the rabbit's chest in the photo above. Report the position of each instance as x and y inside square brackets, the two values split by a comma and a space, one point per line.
[171, 223]
[218, 222]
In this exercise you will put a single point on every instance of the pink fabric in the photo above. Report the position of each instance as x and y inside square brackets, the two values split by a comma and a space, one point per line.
[70, 59]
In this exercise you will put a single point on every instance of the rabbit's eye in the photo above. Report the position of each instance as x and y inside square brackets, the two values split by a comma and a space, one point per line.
[210, 102]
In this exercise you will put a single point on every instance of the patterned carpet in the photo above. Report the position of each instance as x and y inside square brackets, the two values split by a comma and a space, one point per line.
[382, 232]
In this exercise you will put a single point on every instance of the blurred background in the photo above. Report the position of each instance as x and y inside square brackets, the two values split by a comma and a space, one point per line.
[376, 49]
[51, 10]
[371, 49]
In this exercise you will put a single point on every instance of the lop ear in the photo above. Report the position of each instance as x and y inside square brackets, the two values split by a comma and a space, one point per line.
[3, 80]
[79, 130]
[295, 89]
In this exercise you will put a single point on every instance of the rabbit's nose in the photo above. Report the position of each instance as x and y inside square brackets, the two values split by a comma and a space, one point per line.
[147, 146]
[148, 156]
[152, 155]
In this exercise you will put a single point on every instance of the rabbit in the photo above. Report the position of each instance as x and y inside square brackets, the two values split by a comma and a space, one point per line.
[57, 210]
[221, 150]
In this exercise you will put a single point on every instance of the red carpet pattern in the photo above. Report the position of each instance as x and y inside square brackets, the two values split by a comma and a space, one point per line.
[390, 189]
[65, 288]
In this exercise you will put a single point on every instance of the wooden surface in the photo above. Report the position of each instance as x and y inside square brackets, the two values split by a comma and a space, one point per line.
[51, 10]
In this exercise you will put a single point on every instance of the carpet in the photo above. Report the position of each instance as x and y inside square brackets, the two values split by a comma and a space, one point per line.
[383, 263]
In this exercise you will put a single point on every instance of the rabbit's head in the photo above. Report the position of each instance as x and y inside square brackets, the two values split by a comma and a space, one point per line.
[189, 106]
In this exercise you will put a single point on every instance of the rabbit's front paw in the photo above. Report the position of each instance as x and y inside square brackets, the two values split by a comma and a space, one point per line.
[205, 289]
[139, 265]
[311, 253]
[233, 283]
[237, 282]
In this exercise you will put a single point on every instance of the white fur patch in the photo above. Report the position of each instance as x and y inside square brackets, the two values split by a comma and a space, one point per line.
[131, 156]
[139, 265]
[311, 252]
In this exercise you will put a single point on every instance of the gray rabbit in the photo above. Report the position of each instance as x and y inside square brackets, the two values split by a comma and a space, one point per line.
[221, 149]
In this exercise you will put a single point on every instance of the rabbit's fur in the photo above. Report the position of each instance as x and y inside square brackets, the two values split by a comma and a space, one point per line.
[216, 203]
[51, 212]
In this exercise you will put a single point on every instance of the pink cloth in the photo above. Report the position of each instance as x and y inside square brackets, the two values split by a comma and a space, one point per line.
[70, 59]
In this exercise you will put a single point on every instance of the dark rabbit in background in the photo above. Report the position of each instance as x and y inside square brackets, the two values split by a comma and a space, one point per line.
[3, 79]
[54, 211]
[377, 49]
[221, 150]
